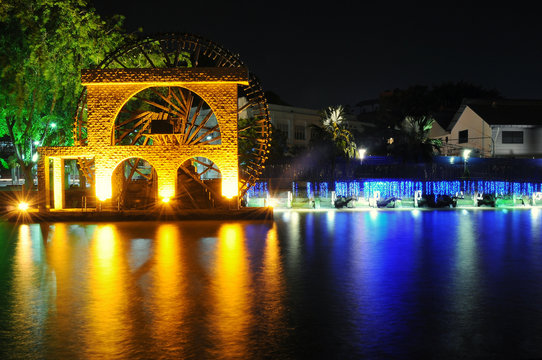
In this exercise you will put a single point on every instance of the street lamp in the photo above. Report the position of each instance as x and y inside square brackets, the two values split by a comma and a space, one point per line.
[361, 152]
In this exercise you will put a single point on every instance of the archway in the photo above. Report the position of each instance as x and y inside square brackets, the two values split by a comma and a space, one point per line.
[134, 184]
[190, 69]
[198, 184]
[167, 115]
[192, 52]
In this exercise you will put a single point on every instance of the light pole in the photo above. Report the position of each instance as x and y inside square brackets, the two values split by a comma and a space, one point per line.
[361, 152]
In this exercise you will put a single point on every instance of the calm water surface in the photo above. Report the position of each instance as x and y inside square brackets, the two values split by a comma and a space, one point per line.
[381, 284]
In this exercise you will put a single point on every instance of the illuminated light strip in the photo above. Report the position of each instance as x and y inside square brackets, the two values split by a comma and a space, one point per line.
[408, 188]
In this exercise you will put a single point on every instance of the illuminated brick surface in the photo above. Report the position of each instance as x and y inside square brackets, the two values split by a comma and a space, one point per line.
[108, 91]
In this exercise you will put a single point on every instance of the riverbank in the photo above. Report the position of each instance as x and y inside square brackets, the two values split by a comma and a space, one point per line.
[34, 216]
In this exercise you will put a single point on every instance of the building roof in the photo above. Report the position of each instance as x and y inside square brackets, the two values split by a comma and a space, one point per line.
[444, 118]
[292, 109]
[507, 112]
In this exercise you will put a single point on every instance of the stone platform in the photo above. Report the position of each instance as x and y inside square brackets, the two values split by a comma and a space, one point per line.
[70, 215]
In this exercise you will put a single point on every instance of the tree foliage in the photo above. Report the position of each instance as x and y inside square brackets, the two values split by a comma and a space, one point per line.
[335, 125]
[332, 140]
[421, 100]
[403, 114]
[44, 44]
[412, 143]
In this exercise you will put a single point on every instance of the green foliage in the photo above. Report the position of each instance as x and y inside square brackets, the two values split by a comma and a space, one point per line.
[417, 104]
[279, 153]
[420, 100]
[44, 44]
[247, 139]
[334, 123]
[4, 163]
[412, 142]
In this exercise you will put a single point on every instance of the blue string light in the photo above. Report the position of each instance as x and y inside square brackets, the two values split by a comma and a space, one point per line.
[406, 188]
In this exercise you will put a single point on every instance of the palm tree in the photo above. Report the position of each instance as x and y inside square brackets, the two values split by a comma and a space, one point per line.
[334, 123]
[413, 143]
[333, 139]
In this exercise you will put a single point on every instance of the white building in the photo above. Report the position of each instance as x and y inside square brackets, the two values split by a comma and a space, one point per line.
[500, 128]
[294, 122]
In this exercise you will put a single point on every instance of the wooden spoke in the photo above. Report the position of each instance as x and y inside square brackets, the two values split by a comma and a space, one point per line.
[165, 54]
[127, 131]
[167, 100]
[244, 107]
[210, 131]
[182, 108]
[159, 106]
[140, 133]
[200, 126]
[120, 63]
[135, 117]
[146, 56]
[184, 119]
[195, 117]
[210, 140]
[197, 50]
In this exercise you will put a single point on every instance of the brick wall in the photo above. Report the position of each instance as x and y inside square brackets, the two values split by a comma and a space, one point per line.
[108, 91]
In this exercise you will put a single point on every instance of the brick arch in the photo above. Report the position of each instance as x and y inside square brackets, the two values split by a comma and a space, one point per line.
[118, 174]
[214, 158]
[123, 159]
[132, 91]
[107, 92]
[228, 169]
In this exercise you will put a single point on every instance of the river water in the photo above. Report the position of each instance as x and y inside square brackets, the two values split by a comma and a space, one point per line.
[331, 284]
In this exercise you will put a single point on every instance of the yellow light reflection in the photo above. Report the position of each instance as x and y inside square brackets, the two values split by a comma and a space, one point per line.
[169, 295]
[108, 299]
[58, 256]
[29, 302]
[24, 270]
[274, 288]
[231, 318]
[65, 285]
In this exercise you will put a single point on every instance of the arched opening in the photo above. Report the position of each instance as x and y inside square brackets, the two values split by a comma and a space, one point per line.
[79, 183]
[134, 184]
[198, 184]
[168, 115]
[174, 51]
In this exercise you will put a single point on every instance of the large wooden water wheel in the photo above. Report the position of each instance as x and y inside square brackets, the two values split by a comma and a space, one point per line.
[163, 115]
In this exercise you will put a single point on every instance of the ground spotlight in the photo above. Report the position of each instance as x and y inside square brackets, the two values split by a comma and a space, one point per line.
[23, 206]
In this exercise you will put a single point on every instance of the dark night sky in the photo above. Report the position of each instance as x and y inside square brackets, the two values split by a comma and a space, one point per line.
[343, 52]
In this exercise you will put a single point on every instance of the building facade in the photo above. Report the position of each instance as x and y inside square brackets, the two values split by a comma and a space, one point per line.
[493, 128]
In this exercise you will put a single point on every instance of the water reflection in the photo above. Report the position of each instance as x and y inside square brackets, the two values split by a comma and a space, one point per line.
[466, 296]
[231, 319]
[30, 293]
[437, 284]
[170, 301]
[107, 315]
[273, 307]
